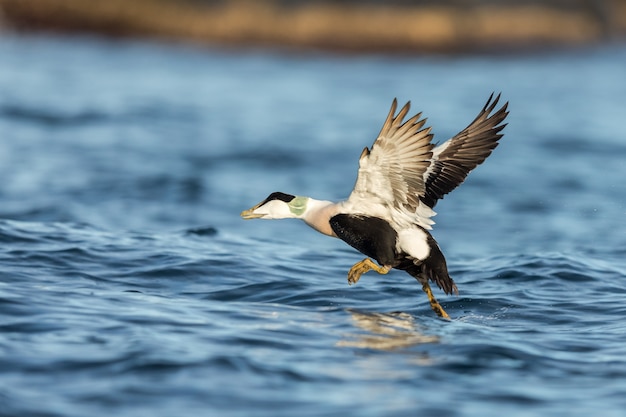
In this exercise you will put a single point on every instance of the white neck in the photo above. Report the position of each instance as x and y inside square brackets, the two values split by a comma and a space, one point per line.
[317, 215]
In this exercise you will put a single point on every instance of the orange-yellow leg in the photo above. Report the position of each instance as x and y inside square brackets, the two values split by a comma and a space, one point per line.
[362, 267]
[433, 302]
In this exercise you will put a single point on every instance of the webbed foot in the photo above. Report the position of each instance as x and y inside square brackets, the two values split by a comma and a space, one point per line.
[362, 267]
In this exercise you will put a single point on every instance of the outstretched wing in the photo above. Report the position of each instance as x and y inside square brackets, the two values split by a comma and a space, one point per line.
[391, 174]
[455, 158]
[404, 174]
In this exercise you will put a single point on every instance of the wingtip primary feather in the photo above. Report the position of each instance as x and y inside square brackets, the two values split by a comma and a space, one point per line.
[397, 120]
[491, 105]
[394, 120]
[390, 117]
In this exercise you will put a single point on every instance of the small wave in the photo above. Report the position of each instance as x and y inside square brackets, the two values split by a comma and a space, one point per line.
[202, 231]
[578, 145]
[50, 118]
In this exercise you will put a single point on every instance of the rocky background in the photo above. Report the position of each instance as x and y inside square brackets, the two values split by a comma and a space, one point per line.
[341, 25]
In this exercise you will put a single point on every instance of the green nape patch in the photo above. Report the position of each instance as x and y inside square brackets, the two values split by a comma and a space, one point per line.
[298, 205]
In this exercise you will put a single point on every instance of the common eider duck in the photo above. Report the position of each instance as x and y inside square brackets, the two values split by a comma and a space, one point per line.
[387, 217]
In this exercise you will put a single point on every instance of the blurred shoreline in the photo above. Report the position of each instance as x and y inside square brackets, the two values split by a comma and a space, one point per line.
[421, 27]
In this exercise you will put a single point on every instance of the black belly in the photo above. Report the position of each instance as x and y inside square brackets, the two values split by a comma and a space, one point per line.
[371, 236]
[374, 237]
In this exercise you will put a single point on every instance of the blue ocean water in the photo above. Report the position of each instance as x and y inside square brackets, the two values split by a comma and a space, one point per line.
[129, 285]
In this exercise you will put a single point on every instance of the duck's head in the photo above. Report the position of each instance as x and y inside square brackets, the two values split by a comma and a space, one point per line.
[277, 206]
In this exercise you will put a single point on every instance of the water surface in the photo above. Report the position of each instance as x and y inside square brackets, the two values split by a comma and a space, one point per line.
[130, 286]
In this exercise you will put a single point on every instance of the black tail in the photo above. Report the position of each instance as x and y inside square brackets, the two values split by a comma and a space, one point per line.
[434, 268]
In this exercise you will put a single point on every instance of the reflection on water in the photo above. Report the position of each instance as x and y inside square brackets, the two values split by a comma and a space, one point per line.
[385, 331]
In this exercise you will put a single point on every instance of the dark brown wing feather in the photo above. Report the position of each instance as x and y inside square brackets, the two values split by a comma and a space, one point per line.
[466, 150]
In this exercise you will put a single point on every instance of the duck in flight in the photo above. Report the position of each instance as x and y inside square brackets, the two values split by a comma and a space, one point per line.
[387, 217]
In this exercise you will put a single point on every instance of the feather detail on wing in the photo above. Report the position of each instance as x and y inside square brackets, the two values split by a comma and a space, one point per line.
[455, 158]
[403, 175]
[391, 174]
